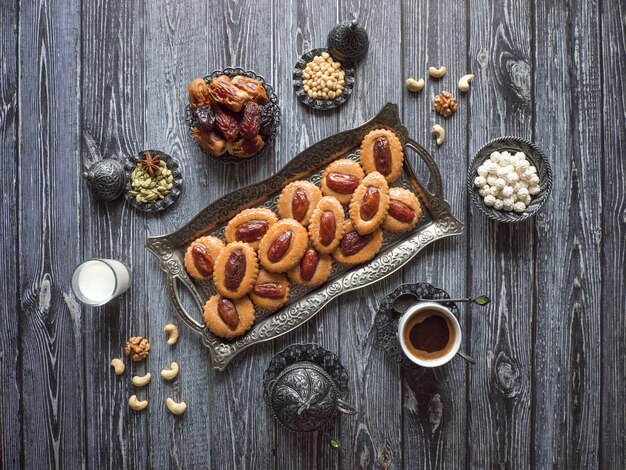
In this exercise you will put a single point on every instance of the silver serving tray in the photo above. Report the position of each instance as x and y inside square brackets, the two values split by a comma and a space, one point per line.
[397, 250]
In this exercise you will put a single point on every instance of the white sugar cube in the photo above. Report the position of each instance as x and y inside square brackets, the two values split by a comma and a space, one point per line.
[507, 191]
[502, 172]
[491, 180]
[495, 157]
[493, 191]
[483, 170]
[480, 181]
[498, 204]
[500, 183]
[489, 200]
[519, 207]
[534, 189]
[507, 206]
[484, 191]
[534, 180]
[521, 156]
[512, 177]
[522, 193]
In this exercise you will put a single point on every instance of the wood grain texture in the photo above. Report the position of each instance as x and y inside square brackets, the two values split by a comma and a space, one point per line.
[500, 262]
[10, 367]
[434, 401]
[49, 234]
[372, 438]
[113, 104]
[566, 413]
[173, 44]
[613, 247]
[296, 32]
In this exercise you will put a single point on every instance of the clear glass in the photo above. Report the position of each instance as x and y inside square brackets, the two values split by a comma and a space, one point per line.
[97, 281]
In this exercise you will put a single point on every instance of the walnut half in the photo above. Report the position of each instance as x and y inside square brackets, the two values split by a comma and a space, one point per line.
[137, 348]
[445, 104]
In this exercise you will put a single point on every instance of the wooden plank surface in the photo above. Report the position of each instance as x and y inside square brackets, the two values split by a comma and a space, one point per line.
[79, 82]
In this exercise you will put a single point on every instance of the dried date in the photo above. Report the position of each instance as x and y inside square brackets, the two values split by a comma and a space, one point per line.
[251, 231]
[250, 122]
[353, 242]
[370, 203]
[271, 290]
[227, 123]
[226, 94]
[401, 212]
[202, 260]
[341, 183]
[299, 205]
[199, 94]
[308, 264]
[205, 118]
[235, 270]
[228, 313]
[328, 227]
[267, 120]
[279, 247]
[382, 156]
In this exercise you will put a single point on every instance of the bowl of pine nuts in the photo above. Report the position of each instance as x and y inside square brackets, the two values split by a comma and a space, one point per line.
[322, 82]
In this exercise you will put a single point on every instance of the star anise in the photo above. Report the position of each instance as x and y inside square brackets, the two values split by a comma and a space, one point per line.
[151, 164]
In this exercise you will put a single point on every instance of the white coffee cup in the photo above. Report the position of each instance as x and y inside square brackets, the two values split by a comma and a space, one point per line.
[452, 322]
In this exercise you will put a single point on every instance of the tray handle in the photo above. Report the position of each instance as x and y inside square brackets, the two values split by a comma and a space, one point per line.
[432, 167]
[172, 287]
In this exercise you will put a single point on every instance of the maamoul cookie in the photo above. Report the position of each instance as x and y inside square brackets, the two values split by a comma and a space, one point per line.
[381, 151]
[271, 290]
[283, 245]
[370, 203]
[355, 248]
[228, 318]
[236, 269]
[298, 200]
[312, 270]
[249, 226]
[201, 255]
[340, 179]
[326, 226]
[404, 211]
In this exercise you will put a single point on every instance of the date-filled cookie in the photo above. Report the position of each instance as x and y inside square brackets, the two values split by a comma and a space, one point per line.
[236, 269]
[356, 248]
[340, 179]
[381, 151]
[201, 255]
[326, 227]
[283, 245]
[271, 290]
[228, 318]
[312, 270]
[298, 200]
[404, 211]
[370, 203]
[249, 226]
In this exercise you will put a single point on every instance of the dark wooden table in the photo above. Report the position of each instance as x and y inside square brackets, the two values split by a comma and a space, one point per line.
[84, 80]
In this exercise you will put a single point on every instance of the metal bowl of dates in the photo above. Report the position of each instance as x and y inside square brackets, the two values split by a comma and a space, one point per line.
[269, 115]
[303, 96]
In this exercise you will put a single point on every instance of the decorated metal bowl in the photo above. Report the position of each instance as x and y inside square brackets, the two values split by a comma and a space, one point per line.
[535, 157]
[271, 109]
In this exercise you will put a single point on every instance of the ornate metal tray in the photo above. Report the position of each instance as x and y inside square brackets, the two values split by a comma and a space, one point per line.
[397, 250]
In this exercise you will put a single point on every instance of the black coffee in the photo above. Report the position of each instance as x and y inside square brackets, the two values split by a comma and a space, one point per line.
[429, 335]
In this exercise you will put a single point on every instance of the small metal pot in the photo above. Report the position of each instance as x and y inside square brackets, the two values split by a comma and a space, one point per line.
[107, 179]
[348, 42]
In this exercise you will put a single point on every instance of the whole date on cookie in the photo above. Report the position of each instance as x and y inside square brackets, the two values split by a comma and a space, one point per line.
[401, 212]
[279, 247]
[341, 183]
[228, 313]
[308, 264]
[235, 270]
[299, 205]
[370, 203]
[251, 231]
[382, 155]
[202, 260]
[328, 228]
[352, 243]
[271, 290]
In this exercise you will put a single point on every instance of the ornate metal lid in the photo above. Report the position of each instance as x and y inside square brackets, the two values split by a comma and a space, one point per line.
[107, 179]
[348, 42]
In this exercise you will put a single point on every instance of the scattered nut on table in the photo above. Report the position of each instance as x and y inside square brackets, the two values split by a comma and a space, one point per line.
[136, 404]
[437, 72]
[172, 331]
[464, 82]
[118, 366]
[141, 381]
[171, 373]
[445, 104]
[176, 408]
[440, 133]
[137, 348]
[414, 85]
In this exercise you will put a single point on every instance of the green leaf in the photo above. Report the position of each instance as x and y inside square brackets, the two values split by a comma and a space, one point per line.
[335, 444]
[482, 300]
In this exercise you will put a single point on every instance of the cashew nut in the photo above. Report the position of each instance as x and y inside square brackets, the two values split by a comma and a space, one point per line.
[437, 73]
[118, 366]
[171, 373]
[176, 408]
[136, 404]
[440, 133]
[141, 381]
[172, 331]
[414, 85]
[464, 82]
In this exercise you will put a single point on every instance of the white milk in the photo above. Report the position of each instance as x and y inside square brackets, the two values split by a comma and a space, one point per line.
[95, 282]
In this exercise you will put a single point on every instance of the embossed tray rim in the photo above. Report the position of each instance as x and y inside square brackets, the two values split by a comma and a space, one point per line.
[443, 224]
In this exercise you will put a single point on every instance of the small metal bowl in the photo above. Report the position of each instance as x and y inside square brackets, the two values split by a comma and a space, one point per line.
[537, 159]
[177, 182]
[321, 104]
[273, 104]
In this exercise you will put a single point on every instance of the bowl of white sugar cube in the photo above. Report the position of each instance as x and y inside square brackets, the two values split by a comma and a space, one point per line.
[509, 179]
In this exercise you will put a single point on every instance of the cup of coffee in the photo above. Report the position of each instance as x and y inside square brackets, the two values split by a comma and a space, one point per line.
[429, 334]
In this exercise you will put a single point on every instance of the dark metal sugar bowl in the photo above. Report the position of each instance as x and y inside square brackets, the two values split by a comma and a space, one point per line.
[304, 388]
[107, 179]
[348, 42]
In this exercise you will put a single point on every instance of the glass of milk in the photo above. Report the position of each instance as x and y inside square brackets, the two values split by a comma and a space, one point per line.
[97, 281]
